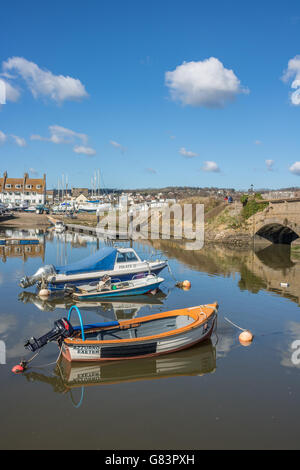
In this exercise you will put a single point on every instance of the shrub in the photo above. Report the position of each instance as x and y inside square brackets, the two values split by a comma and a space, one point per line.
[252, 206]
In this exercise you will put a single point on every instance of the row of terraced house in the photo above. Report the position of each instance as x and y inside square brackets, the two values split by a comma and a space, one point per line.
[24, 190]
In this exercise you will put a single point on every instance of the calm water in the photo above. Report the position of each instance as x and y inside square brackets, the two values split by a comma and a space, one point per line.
[217, 395]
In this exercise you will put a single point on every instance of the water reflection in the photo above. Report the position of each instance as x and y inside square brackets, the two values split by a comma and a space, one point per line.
[197, 361]
[216, 272]
[259, 269]
[23, 251]
[119, 309]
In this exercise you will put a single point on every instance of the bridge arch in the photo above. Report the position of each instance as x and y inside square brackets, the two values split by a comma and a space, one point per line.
[277, 233]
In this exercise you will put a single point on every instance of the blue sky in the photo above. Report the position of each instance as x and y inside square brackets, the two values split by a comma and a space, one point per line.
[160, 93]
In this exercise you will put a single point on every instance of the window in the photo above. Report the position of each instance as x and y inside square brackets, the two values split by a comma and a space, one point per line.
[28, 186]
[38, 186]
[121, 258]
[8, 186]
[131, 257]
[18, 186]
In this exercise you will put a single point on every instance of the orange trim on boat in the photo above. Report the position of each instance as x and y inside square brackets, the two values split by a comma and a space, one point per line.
[200, 314]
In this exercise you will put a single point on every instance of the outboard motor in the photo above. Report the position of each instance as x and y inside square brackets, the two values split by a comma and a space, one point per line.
[42, 273]
[62, 329]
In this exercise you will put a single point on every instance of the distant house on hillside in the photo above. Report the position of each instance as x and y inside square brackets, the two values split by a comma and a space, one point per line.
[81, 199]
[78, 191]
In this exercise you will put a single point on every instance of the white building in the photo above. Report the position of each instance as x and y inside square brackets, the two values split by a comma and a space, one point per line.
[17, 191]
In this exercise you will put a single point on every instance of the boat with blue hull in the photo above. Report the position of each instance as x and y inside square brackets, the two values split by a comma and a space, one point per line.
[120, 264]
[100, 290]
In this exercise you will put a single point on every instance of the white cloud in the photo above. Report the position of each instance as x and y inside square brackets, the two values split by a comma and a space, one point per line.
[293, 72]
[211, 166]
[2, 137]
[19, 140]
[81, 149]
[118, 146]
[205, 83]
[295, 168]
[10, 93]
[270, 164]
[33, 171]
[44, 83]
[187, 153]
[61, 135]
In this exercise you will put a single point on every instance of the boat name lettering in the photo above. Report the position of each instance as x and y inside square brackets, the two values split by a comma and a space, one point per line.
[87, 349]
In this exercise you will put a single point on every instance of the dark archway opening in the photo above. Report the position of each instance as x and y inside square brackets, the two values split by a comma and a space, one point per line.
[277, 233]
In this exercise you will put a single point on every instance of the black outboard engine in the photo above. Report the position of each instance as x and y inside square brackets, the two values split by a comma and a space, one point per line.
[62, 329]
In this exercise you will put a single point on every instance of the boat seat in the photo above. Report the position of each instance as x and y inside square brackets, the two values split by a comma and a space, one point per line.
[149, 328]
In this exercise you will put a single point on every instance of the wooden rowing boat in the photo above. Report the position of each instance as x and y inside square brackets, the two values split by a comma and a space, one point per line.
[148, 336]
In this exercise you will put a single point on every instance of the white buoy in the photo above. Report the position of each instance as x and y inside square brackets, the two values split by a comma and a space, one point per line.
[44, 293]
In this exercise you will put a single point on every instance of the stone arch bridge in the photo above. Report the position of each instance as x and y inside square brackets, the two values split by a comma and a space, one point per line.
[278, 223]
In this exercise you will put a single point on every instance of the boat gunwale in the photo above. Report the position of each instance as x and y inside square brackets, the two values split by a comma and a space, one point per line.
[59, 278]
[212, 309]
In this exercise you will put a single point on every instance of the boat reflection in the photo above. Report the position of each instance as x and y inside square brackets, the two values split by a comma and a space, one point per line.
[120, 309]
[196, 361]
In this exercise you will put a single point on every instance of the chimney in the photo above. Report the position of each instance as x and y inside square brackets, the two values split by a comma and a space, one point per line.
[24, 180]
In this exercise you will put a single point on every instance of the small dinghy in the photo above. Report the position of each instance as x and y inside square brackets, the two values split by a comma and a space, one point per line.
[147, 336]
[105, 288]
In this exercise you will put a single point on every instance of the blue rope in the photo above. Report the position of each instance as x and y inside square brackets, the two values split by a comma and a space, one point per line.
[78, 405]
[80, 319]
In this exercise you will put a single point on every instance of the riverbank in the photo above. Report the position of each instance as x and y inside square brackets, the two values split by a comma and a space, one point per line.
[26, 220]
[223, 224]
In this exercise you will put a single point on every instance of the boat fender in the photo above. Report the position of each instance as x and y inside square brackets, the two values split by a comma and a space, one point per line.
[19, 368]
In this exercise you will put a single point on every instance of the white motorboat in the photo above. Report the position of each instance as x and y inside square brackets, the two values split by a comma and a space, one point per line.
[120, 264]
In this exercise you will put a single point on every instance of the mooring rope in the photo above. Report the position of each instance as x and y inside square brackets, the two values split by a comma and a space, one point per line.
[229, 321]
